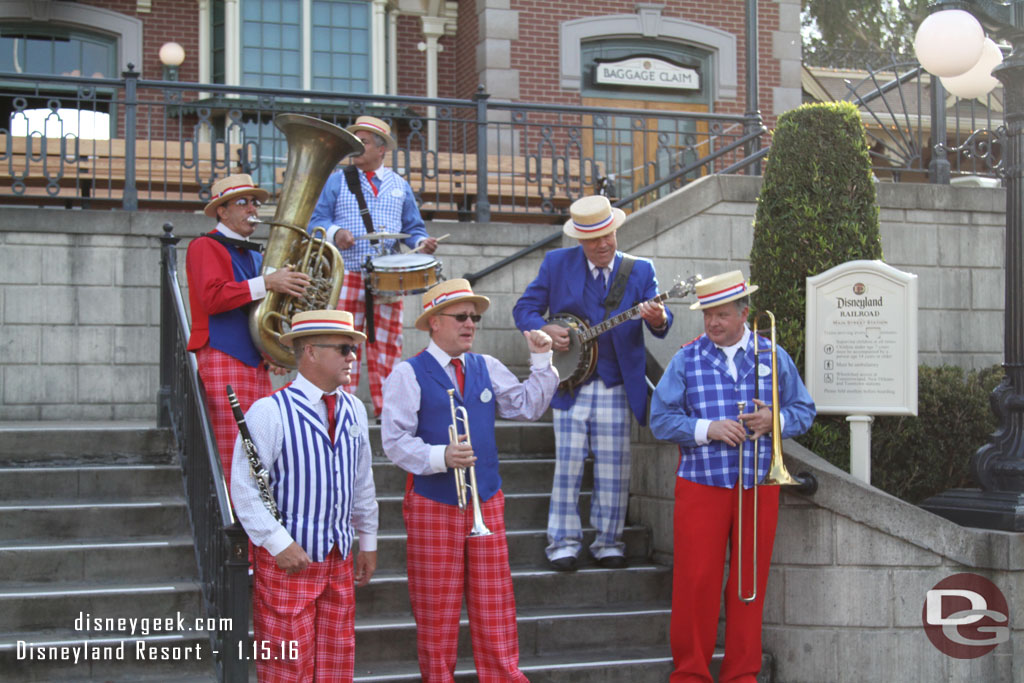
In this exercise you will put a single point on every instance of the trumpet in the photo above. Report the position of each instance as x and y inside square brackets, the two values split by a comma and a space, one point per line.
[462, 487]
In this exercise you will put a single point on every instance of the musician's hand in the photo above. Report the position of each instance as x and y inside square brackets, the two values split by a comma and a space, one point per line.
[459, 455]
[343, 239]
[293, 559]
[559, 336]
[427, 246]
[730, 431]
[538, 340]
[759, 421]
[366, 565]
[276, 369]
[654, 314]
[286, 281]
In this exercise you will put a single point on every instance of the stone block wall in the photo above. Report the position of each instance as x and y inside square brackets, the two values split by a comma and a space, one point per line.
[79, 289]
[850, 571]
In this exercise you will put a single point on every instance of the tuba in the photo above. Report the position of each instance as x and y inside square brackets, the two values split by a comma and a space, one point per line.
[315, 148]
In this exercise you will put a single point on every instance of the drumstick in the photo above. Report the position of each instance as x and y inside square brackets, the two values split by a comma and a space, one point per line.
[447, 234]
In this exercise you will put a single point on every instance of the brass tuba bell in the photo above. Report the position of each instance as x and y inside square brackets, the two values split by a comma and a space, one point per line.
[315, 148]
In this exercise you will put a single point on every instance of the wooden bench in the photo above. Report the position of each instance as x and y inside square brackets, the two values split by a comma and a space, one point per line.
[166, 172]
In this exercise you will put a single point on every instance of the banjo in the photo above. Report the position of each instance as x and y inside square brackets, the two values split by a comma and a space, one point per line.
[579, 361]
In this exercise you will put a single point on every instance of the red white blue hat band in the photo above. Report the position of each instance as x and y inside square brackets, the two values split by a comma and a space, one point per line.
[721, 295]
[447, 296]
[446, 293]
[721, 289]
[322, 322]
[594, 227]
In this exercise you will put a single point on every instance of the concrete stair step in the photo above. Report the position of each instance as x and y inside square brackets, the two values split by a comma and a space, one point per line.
[136, 560]
[51, 656]
[607, 665]
[525, 547]
[522, 510]
[590, 587]
[82, 519]
[34, 444]
[542, 631]
[96, 482]
[36, 607]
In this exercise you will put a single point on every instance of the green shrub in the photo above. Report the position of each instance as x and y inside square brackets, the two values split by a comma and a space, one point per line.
[816, 210]
[913, 458]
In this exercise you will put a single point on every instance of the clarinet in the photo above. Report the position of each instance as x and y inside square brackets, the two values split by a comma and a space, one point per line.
[255, 466]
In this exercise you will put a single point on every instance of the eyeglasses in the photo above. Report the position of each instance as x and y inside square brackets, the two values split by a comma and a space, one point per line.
[343, 349]
[245, 201]
[463, 317]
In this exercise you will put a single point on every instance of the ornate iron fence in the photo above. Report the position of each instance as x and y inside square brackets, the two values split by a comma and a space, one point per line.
[220, 543]
[126, 143]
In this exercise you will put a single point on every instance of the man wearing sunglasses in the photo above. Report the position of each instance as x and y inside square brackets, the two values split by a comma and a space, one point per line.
[442, 562]
[313, 440]
[223, 268]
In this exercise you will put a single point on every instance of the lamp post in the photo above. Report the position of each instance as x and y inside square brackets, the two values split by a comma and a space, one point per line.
[171, 56]
[950, 43]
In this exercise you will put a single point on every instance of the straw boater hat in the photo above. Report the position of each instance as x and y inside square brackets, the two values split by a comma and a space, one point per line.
[374, 125]
[444, 294]
[593, 217]
[721, 289]
[322, 322]
[231, 187]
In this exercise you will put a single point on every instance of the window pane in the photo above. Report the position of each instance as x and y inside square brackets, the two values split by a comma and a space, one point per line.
[94, 59]
[271, 35]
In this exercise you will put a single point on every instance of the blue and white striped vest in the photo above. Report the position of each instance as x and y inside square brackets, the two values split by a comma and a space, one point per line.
[313, 480]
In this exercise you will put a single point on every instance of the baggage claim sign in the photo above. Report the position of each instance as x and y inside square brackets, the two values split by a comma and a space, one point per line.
[646, 72]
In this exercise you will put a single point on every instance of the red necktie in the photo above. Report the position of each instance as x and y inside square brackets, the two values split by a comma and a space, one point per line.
[332, 402]
[460, 375]
[369, 179]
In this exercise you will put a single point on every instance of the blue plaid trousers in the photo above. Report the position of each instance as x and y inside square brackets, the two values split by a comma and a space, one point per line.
[598, 421]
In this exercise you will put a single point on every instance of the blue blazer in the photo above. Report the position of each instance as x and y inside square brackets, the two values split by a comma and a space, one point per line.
[558, 288]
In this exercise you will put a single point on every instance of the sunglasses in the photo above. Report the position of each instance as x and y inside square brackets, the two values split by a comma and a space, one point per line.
[343, 349]
[245, 201]
[463, 317]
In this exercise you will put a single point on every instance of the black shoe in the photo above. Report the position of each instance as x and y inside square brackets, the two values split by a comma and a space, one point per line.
[612, 562]
[563, 564]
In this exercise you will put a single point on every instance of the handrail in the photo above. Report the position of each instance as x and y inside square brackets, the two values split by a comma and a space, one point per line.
[220, 543]
[657, 185]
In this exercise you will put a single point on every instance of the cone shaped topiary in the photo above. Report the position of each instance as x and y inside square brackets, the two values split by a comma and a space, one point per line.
[817, 209]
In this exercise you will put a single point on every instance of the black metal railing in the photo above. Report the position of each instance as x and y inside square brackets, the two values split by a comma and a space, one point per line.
[220, 543]
[130, 143]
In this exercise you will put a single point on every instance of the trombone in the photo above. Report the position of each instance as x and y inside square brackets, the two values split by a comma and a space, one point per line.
[460, 416]
[777, 474]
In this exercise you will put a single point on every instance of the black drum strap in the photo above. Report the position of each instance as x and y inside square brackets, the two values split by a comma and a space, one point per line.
[352, 180]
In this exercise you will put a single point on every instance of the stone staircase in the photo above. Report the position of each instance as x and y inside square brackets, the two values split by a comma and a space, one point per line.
[591, 625]
[93, 526]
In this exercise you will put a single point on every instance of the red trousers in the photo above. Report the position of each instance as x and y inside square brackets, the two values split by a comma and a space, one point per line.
[303, 624]
[704, 524]
[442, 564]
[386, 351]
[217, 370]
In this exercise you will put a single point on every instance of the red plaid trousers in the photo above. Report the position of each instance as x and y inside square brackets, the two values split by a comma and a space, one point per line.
[442, 561]
[314, 608]
[383, 354]
[217, 370]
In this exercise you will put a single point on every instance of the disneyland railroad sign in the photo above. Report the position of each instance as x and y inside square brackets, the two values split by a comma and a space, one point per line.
[646, 72]
[861, 342]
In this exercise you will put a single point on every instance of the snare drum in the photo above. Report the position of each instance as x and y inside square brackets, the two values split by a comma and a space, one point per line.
[401, 274]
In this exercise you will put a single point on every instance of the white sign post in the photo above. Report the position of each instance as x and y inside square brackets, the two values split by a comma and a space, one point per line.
[861, 348]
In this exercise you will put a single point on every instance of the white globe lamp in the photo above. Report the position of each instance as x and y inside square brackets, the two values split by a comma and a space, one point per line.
[949, 43]
[978, 81]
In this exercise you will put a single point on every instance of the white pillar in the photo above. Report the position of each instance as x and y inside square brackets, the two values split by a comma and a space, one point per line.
[306, 38]
[433, 29]
[392, 52]
[378, 44]
[860, 446]
[232, 43]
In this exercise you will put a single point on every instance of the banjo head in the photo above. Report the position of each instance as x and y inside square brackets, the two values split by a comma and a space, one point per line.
[574, 363]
